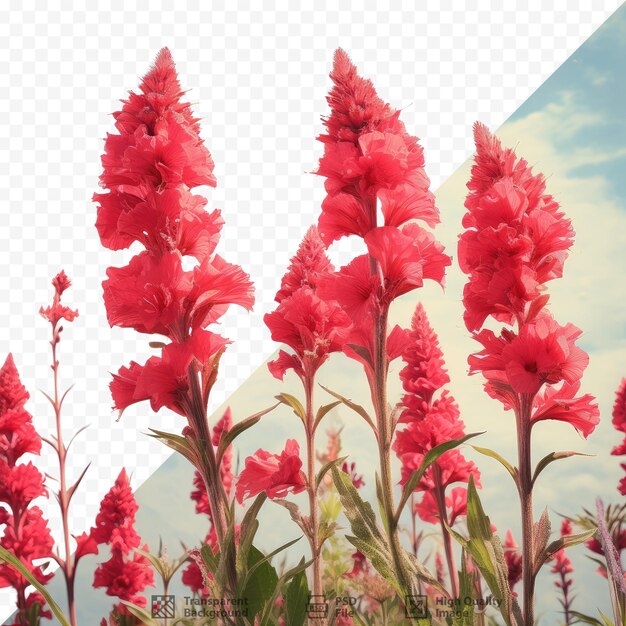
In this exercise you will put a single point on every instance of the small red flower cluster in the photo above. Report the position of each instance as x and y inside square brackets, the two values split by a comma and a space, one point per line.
[517, 240]
[370, 161]
[430, 421]
[26, 534]
[619, 422]
[312, 327]
[150, 168]
[127, 573]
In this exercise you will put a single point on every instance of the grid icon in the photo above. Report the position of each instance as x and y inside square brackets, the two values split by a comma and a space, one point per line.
[163, 606]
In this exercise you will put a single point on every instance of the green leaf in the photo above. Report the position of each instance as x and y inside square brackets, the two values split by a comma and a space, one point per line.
[369, 538]
[322, 412]
[554, 456]
[325, 469]
[12, 560]
[294, 403]
[248, 529]
[565, 542]
[227, 438]
[586, 619]
[141, 614]
[176, 442]
[285, 578]
[494, 455]
[488, 554]
[467, 589]
[429, 458]
[357, 408]
[261, 584]
[265, 559]
[296, 597]
[211, 560]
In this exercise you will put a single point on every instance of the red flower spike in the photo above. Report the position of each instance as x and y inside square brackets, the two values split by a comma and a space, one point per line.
[306, 267]
[368, 158]
[127, 573]
[277, 475]
[430, 421]
[26, 534]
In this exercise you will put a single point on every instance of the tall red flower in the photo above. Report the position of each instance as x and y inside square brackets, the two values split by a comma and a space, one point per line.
[126, 573]
[151, 167]
[26, 534]
[377, 189]
[563, 569]
[178, 285]
[517, 240]
[432, 417]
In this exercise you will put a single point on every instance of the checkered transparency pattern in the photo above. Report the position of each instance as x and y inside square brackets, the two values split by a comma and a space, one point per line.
[258, 79]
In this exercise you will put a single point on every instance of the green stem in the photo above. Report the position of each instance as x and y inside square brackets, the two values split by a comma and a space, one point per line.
[526, 501]
[440, 497]
[312, 491]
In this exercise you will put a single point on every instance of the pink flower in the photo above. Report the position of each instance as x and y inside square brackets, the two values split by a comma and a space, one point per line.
[311, 326]
[306, 268]
[431, 418]
[57, 311]
[277, 475]
[25, 534]
[368, 157]
[164, 380]
[127, 573]
[117, 512]
[517, 239]
[619, 422]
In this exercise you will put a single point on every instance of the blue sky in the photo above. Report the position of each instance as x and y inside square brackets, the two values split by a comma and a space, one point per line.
[574, 130]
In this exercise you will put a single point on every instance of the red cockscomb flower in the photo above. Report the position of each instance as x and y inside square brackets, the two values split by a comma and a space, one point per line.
[311, 326]
[368, 158]
[275, 474]
[430, 421]
[26, 534]
[517, 239]
[126, 573]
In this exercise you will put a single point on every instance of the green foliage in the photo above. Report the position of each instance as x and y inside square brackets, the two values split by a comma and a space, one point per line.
[488, 554]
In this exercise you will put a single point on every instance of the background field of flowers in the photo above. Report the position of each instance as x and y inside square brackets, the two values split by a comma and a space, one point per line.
[571, 128]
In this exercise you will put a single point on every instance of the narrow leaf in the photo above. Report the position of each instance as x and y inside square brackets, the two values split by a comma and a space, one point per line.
[141, 614]
[357, 408]
[12, 560]
[550, 458]
[228, 437]
[294, 403]
[323, 411]
[494, 455]
[429, 458]
[72, 490]
[326, 468]
[541, 535]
